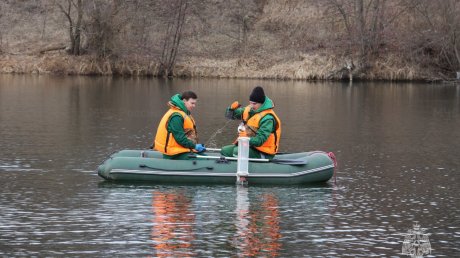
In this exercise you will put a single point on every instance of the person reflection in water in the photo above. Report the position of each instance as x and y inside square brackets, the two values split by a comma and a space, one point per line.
[259, 123]
[258, 231]
[172, 231]
[176, 135]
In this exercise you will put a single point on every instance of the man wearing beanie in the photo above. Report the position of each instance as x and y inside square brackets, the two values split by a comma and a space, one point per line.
[257, 95]
[261, 125]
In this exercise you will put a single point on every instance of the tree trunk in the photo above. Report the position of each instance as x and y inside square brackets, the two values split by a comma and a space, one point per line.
[172, 40]
[177, 35]
[375, 29]
[362, 32]
[74, 26]
[77, 33]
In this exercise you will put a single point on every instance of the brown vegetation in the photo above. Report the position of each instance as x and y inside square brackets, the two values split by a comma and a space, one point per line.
[284, 39]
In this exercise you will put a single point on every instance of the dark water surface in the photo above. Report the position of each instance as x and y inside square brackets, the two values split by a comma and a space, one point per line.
[397, 147]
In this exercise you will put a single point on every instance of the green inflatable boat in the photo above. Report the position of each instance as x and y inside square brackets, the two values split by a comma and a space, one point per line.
[209, 167]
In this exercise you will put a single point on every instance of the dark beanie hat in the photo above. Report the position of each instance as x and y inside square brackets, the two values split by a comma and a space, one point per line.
[257, 95]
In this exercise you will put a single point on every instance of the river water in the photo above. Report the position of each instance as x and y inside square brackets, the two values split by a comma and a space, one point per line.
[397, 146]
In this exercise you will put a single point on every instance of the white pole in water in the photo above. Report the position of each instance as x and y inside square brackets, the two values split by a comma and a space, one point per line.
[243, 160]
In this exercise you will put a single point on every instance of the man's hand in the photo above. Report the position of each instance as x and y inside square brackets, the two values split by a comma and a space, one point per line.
[235, 105]
[200, 147]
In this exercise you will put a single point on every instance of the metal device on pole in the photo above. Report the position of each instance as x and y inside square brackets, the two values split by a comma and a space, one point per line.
[243, 160]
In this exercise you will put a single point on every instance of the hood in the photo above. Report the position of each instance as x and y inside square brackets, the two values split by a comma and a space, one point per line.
[178, 103]
[268, 103]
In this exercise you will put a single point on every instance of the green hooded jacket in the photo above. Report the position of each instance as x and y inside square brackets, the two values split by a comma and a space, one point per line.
[266, 124]
[176, 123]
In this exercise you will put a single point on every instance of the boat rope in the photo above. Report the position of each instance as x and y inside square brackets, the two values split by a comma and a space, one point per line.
[331, 155]
[334, 159]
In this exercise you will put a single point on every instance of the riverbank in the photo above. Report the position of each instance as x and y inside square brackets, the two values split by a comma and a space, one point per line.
[300, 40]
[316, 66]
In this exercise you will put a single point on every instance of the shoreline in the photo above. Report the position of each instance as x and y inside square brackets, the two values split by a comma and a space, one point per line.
[314, 67]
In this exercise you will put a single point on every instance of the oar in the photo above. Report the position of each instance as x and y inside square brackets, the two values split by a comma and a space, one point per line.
[294, 162]
[227, 158]
[213, 149]
[175, 169]
[216, 150]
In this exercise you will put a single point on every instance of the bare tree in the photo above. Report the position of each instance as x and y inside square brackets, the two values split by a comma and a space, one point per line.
[239, 18]
[73, 11]
[363, 22]
[1, 28]
[172, 38]
[449, 30]
[3, 24]
[429, 35]
[142, 23]
[46, 8]
[105, 21]
[242, 15]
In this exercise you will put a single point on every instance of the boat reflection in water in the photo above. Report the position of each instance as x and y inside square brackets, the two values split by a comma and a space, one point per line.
[172, 231]
[257, 228]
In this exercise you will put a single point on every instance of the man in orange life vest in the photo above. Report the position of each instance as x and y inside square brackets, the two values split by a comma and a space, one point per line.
[261, 124]
[176, 136]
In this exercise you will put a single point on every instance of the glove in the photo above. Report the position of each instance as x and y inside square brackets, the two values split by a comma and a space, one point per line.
[242, 131]
[235, 105]
[200, 147]
[230, 110]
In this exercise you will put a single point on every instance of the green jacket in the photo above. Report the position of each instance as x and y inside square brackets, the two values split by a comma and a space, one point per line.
[176, 123]
[266, 124]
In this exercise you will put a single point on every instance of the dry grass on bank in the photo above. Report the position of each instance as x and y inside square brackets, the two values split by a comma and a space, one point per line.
[392, 68]
[63, 64]
[306, 67]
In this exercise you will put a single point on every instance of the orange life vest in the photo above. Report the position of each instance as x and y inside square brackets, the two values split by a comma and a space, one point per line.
[164, 140]
[271, 145]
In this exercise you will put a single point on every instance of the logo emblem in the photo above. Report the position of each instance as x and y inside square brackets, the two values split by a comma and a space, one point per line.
[416, 242]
